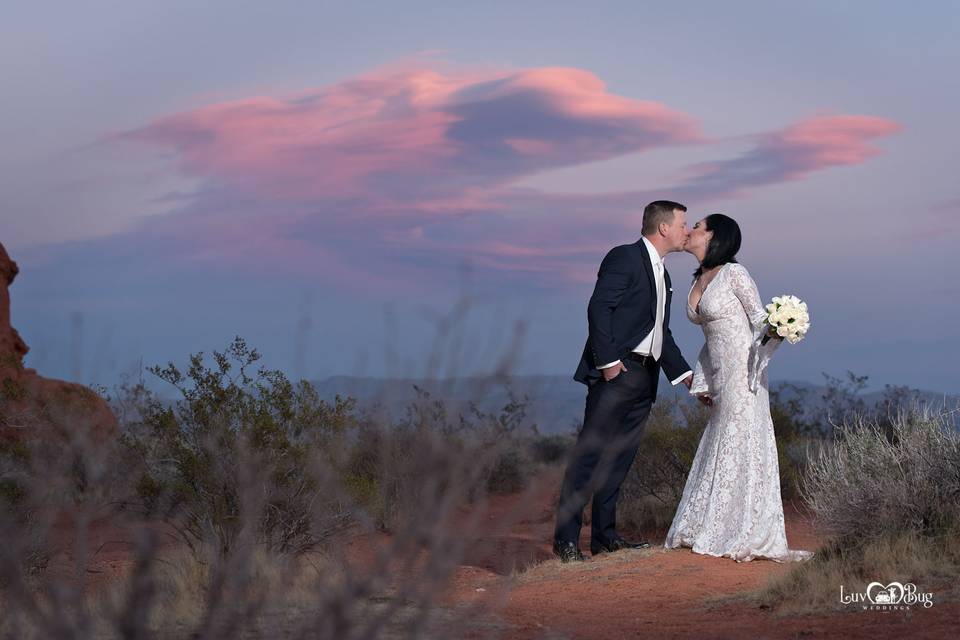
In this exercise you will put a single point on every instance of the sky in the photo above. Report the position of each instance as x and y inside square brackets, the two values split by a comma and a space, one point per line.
[428, 188]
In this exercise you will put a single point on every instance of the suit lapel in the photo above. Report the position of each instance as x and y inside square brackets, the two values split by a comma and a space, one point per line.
[648, 269]
[669, 293]
[646, 265]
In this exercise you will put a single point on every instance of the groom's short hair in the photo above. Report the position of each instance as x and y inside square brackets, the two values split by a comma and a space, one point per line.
[659, 212]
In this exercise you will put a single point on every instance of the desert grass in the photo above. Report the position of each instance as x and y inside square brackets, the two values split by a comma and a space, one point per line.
[933, 565]
[554, 571]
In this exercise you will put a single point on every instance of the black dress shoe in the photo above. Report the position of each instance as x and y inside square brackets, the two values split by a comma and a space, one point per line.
[617, 544]
[567, 551]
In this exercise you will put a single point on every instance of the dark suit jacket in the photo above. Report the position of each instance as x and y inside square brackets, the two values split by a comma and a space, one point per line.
[621, 312]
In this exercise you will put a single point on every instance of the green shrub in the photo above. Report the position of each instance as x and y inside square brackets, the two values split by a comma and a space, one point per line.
[652, 489]
[237, 442]
[551, 449]
[509, 472]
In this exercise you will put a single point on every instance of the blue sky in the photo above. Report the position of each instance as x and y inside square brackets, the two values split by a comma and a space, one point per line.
[328, 180]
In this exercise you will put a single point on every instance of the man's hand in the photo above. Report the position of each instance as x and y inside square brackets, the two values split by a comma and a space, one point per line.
[688, 381]
[706, 400]
[612, 372]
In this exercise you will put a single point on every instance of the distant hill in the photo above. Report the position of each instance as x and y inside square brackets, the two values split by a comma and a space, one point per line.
[555, 402]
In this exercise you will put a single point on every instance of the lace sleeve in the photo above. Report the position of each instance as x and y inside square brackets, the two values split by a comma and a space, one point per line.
[760, 354]
[703, 375]
[746, 291]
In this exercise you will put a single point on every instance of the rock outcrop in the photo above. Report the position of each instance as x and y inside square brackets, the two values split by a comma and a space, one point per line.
[31, 405]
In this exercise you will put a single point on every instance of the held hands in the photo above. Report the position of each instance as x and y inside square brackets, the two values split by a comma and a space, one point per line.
[612, 372]
[703, 398]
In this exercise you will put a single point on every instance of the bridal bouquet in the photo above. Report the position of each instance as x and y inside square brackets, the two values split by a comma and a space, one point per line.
[787, 318]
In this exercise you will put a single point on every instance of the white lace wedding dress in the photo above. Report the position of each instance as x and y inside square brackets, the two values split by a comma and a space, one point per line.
[731, 503]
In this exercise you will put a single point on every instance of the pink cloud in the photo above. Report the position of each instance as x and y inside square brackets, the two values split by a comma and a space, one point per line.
[829, 141]
[414, 135]
[791, 153]
[940, 222]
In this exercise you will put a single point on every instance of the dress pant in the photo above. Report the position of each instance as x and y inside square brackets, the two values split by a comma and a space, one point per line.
[614, 419]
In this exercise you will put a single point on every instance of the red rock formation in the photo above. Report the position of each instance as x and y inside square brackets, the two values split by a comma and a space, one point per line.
[30, 403]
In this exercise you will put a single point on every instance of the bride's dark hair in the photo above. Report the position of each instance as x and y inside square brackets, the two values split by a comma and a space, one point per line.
[724, 244]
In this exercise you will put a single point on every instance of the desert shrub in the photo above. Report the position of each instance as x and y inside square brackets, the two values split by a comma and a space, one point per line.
[875, 481]
[509, 471]
[202, 461]
[814, 413]
[500, 441]
[793, 434]
[385, 470]
[550, 449]
[18, 513]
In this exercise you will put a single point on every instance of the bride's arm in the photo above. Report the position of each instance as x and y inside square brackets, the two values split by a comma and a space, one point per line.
[746, 291]
[760, 354]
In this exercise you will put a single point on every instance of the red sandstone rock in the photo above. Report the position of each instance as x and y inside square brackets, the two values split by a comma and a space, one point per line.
[31, 403]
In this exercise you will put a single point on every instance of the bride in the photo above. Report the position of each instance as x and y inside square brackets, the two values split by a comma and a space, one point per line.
[731, 503]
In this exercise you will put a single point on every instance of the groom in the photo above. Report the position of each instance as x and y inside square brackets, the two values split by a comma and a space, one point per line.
[629, 342]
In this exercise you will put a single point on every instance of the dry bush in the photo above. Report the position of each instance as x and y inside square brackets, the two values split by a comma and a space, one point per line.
[384, 468]
[878, 479]
[887, 492]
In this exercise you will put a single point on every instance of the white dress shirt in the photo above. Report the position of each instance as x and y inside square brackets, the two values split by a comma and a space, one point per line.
[652, 343]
